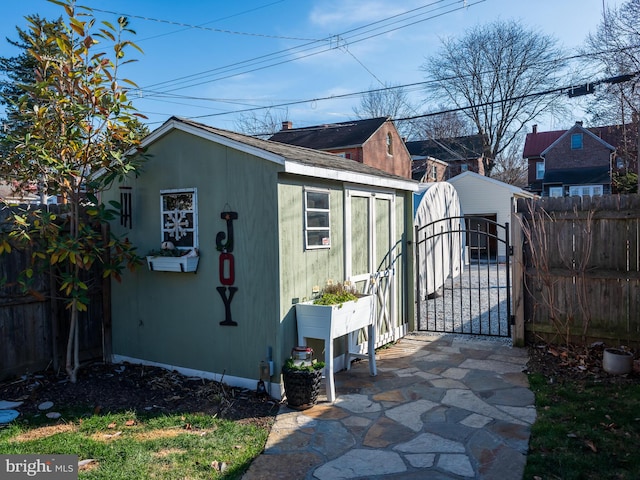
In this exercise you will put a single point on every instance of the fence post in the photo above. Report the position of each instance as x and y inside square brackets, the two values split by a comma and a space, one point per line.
[517, 291]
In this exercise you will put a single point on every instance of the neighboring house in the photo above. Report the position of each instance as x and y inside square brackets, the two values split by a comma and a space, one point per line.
[10, 194]
[488, 198]
[272, 223]
[459, 154]
[578, 161]
[374, 142]
[428, 170]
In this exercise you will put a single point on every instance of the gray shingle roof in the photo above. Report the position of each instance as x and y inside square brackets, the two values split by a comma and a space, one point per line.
[302, 155]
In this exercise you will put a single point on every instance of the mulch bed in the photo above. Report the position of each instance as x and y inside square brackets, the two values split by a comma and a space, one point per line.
[102, 388]
[576, 363]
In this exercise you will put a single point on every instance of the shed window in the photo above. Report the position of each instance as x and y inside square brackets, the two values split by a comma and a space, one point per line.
[316, 219]
[576, 141]
[179, 217]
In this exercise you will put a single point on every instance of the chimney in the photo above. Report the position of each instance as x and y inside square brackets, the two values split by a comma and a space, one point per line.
[287, 125]
[579, 122]
[535, 129]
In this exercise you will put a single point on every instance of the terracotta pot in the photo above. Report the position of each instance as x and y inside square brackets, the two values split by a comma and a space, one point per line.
[616, 361]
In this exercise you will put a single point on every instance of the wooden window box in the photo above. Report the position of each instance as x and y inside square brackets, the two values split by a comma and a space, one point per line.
[173, 264]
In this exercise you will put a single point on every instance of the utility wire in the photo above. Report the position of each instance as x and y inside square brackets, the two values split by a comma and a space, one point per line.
[201, 27]
[285, 54]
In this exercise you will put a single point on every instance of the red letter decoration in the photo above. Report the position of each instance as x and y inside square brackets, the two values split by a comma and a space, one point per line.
[226, 266]
[227, 273]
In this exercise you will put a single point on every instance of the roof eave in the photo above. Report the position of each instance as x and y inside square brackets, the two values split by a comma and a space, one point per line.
[298, 168]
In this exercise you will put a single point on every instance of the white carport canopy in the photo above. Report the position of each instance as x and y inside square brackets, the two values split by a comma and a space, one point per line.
[436, 206]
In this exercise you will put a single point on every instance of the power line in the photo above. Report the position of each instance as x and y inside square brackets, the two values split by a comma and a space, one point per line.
[201, 27]
[409, 86]
[301, 49]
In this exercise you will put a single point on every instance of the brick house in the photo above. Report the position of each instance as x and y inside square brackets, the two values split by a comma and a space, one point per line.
[578, 161]
[374, 142]
[456, 155]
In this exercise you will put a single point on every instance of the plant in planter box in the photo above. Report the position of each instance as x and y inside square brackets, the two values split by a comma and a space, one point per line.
[337, 311]
[302, 382]
[171, 259]
[336, 294]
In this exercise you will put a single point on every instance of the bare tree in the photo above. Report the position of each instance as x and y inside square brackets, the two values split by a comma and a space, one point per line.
[262, 126]
[510, 167]
[615, 50]
[444, 125]
[494, 73]
[389, 101]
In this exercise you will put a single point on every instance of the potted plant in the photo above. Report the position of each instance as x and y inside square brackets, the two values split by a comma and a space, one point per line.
[171, 259]
[302, 382]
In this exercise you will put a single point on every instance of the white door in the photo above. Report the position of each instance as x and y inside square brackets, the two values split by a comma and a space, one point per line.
[370, 257]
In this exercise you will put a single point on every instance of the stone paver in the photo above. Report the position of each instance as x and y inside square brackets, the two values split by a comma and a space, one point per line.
[441, 408]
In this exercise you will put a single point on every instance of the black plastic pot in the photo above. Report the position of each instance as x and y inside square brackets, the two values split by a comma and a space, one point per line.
[301, 387]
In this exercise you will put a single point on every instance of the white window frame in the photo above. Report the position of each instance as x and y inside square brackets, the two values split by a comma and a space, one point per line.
[556, 191]
[540, 168]
[193, 228]
[309, 229]
[586, 190]
[434, 172]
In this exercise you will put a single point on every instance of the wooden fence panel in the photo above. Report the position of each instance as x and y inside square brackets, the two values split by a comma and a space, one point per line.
[582, 267]
[32, 338]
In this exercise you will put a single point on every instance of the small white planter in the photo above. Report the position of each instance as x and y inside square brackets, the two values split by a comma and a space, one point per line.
[333, 321]
[617, 362]
[173, 264]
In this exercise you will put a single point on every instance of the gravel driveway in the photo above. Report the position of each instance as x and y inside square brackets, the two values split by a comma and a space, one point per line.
[474, 303]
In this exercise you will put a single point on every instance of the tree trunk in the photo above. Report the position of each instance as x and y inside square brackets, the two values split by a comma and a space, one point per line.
[72, 344]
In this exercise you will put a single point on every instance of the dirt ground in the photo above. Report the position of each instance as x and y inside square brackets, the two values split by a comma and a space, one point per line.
[576, 363]
[104, 388]
[111, 388]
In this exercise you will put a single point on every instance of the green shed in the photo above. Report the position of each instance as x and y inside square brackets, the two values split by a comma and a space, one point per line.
[265, 224]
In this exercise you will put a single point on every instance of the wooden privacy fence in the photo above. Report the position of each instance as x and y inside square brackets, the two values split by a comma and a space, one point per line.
[580, 266]
[34, 326]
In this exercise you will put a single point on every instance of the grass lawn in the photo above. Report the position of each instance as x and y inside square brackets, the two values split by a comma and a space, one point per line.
[131, 446]
[584, 430]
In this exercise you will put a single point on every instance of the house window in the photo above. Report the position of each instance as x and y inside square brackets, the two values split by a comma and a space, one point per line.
[464, 167]
[539, 170]
[389, 144]
[556, 191]
[344, 155]
[576, 141]
[585, 190]
[179, 217]
[316, 219]
[434, 173]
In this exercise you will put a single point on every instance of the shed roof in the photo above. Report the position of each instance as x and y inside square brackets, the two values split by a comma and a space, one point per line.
[491, 182]
[331, 136]
[295, 159]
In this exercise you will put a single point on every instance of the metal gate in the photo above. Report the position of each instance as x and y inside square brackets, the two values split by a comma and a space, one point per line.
[463, 276]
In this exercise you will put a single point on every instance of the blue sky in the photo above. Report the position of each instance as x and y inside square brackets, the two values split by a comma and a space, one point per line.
[260, 53]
